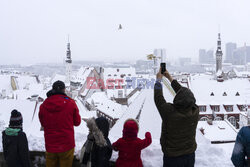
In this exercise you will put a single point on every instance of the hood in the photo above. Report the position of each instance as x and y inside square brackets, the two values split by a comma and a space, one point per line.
[130, 129]
[55, 101]
[12, 131]
[96, 133]
[54, 92]
[184, 99]
[103, 124]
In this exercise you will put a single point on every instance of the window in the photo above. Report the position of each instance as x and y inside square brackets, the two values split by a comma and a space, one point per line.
[229, 108]
[215, 108]
[217, 119]
[202, 108]
[232, 120]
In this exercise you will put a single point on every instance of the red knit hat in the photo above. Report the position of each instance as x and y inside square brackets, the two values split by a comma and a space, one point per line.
[130, 129]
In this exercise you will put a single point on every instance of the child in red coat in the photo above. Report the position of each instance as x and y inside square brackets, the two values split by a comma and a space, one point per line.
[130, 146]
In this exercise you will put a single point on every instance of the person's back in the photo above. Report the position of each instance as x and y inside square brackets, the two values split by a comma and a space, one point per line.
[130, 146]
[15, 144]
[58, 115]
[57, 118]
[98, 148]
[241, 153]
[179, 125]
[179, 122]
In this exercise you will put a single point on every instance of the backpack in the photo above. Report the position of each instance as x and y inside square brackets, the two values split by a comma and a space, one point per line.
[85, 155]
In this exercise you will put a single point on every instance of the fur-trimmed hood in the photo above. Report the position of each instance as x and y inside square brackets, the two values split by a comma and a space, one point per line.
[99, 133]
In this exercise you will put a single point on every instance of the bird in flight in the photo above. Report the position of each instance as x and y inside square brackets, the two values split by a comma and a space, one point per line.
[120, 27]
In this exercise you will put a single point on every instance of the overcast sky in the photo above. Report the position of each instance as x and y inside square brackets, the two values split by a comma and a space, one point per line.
[35, 31]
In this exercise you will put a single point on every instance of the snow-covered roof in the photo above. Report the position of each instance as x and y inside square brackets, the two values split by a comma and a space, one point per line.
[118, 74]
[107, 106]
[218, 131]
[204, 85]
[115, 73]
[82, 74]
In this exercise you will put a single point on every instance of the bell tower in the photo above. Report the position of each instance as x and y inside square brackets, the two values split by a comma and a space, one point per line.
[68, 63]
[219, 55]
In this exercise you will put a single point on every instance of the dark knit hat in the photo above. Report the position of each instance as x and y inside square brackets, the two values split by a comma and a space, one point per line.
[16, 119]
[58, 85]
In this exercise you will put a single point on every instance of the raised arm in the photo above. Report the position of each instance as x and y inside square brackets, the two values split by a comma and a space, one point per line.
[175, 85]
[147, 141]
[160, 102]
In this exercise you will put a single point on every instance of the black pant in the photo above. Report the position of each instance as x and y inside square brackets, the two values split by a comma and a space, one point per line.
[181, 161]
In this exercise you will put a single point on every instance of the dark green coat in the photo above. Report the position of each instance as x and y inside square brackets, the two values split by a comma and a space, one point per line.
[179, 120]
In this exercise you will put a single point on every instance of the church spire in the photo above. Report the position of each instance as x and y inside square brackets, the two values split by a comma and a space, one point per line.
[68, 62]
[219, 55]
[68, 53]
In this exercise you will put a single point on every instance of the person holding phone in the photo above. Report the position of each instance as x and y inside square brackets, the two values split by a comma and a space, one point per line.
[179, 122]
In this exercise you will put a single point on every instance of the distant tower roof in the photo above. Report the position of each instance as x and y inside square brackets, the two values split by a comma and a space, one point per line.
[68, 53]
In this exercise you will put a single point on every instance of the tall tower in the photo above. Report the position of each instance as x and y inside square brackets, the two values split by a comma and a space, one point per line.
[68, 63]
[219, 55]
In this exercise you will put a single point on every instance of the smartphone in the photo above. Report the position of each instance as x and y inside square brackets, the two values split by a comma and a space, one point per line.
[163, 68]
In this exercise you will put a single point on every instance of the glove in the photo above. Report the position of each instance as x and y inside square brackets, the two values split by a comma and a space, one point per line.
[148, 135]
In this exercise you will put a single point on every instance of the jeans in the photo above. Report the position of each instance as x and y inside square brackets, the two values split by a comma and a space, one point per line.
[180, 161]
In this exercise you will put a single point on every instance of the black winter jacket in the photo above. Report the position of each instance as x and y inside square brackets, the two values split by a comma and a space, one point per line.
[15, 148]
[100, 156]
[102, 150]
[179, 120]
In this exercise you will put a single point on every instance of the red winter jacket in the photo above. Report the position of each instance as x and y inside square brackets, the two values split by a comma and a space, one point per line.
[58, 115]
[130, 146]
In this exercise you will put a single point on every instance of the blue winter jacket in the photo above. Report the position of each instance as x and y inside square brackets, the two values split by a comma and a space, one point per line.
[241, 152]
